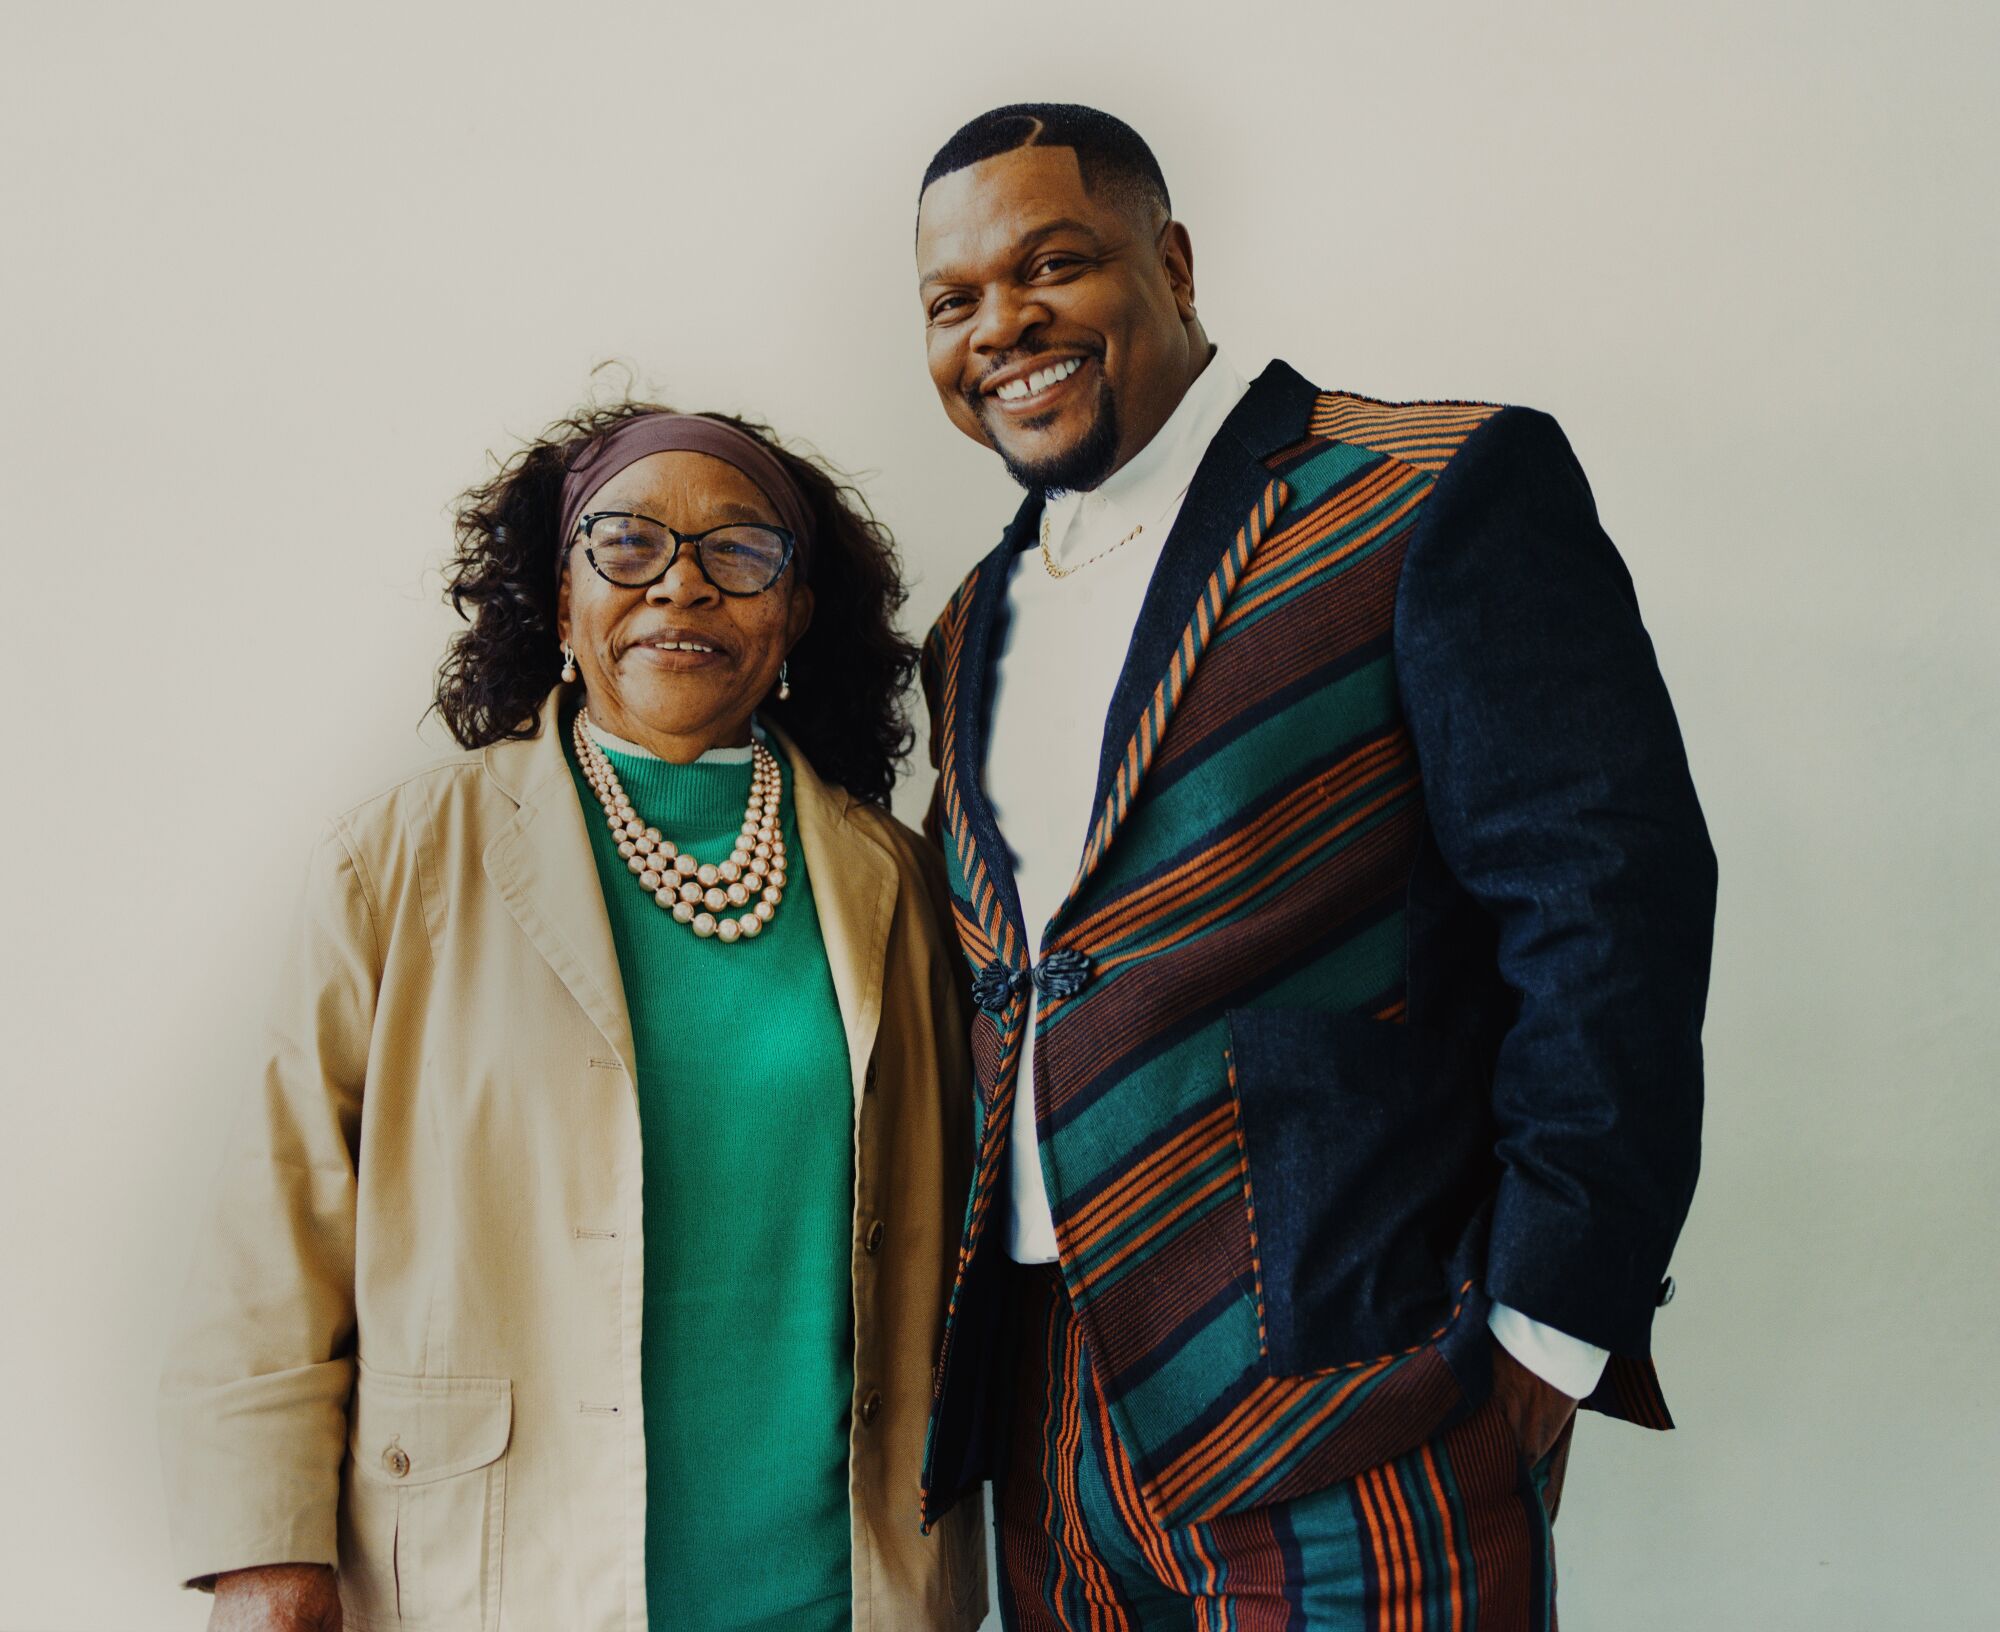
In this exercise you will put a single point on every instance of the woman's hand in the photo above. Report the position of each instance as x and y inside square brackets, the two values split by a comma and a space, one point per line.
[276, 1598]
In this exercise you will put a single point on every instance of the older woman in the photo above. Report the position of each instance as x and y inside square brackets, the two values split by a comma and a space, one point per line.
[580, 1261]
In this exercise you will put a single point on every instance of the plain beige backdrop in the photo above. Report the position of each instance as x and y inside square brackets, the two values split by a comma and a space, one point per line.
[273, 279]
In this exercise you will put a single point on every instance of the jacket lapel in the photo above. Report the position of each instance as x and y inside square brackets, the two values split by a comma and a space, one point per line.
[1232, 503]
[966, 697]
[854, 885]
[542, 866]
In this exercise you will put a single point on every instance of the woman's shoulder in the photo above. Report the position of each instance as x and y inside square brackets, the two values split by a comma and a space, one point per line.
[919, 862]
[456, 799]
[913, 852]
[448, 776]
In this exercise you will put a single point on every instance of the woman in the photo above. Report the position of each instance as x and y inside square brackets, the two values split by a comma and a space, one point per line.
[582, 1259]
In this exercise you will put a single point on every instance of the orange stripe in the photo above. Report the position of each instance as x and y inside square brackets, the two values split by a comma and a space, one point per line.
[1125, 1492]
[1456, 1586]
[1266, 1401]
[1083, 1225]
[1377, 1539]
[1268, 593]
[1157, 1228]
[1392, 1535]
[1243, 850]
[1187, 931]
[1210, 1580]
[1394, 1480]
[1099, 1594]
[1325, 518]
[1098, 1272]
[1175, 1153]
[1263, 1405]
[1298, 1435]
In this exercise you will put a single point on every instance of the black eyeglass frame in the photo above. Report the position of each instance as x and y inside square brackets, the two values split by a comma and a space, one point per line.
[585, 523]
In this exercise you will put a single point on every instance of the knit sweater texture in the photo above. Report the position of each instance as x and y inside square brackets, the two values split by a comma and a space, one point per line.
[746, 1112]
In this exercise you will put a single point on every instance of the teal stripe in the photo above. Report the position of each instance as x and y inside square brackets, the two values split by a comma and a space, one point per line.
[1325, 470]
[1165, 1202]
[1104, 1137]
[1278, 872]
[1188, 1383]
[1161, 825]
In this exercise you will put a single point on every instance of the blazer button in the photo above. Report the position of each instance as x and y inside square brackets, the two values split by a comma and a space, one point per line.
[871, 1407]
[396, 1460]
[1666, 1292]
[872, 1241]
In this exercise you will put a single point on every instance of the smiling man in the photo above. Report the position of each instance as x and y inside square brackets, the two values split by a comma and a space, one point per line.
[1339, 906]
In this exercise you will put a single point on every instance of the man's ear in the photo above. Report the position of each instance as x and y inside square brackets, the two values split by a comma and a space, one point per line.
[1177, 257]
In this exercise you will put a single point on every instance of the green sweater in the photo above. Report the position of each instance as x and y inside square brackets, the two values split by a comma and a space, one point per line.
[746, 1110]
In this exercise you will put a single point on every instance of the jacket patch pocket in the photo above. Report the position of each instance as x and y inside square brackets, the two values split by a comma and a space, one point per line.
[423, 1500]
[1368, 1162]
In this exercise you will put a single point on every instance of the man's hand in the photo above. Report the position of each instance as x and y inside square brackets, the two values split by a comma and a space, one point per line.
[276, 1598]
[1537, 1410]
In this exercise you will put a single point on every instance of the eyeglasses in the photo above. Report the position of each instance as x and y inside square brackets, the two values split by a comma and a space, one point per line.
[632, 551]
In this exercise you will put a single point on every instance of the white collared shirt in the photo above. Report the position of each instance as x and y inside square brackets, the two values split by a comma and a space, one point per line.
[1056, 669]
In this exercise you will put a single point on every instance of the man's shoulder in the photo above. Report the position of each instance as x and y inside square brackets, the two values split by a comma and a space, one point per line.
[1425, 434]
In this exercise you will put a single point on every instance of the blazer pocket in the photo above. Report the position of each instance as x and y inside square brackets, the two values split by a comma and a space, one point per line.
[423, 1503]
[1367, 1161]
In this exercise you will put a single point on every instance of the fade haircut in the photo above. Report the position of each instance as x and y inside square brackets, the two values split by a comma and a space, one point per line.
[1110, 154]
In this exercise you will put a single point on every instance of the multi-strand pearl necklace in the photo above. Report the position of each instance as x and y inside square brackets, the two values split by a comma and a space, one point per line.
[727, 899]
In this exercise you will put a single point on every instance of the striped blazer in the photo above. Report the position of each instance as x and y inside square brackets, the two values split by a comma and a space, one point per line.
[1377, 995]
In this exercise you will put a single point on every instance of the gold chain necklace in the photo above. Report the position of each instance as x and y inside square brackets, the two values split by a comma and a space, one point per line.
[1049, 561]
[702, 896]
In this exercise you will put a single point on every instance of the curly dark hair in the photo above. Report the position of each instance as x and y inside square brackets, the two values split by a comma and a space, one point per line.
[850, 670]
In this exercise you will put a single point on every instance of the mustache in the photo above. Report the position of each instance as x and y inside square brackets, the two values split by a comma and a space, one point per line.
[975, 394]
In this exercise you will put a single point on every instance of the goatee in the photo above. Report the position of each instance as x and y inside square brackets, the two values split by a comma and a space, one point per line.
[1076, 469]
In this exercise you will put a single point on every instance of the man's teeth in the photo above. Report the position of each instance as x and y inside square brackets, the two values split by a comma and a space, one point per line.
[1040, 380]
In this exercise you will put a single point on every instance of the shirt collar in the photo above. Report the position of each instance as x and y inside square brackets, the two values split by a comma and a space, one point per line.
[1160, 472]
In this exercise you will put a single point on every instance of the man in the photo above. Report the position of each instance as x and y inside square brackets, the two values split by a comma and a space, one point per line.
[1339, 908]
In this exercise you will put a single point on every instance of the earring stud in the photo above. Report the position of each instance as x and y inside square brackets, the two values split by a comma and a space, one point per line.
[784, 681]
[569, 663]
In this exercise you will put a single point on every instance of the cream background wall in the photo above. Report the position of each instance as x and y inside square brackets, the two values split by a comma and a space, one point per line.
[275, 279]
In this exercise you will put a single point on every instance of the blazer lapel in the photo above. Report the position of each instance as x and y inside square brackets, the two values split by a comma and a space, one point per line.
[1231, 504]
[854, 885]
[542, 866]
[966, 697]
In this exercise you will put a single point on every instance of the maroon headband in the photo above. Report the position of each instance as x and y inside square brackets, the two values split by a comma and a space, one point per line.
[643, 434]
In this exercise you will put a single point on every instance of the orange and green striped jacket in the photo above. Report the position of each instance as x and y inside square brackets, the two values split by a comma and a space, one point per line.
[1377, 994]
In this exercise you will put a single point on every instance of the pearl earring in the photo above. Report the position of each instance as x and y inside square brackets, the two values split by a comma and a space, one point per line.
[784, 681]
[569, 663]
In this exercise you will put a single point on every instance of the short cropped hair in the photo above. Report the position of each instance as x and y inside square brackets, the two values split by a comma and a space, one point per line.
[1109, 153]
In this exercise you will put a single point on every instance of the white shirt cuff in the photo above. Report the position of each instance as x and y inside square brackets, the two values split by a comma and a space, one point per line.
[1564, 1362]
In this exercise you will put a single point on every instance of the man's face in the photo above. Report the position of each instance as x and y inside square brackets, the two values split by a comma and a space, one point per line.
[1057, 322]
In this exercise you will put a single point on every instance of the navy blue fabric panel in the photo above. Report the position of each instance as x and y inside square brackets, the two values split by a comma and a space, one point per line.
[1560, 802]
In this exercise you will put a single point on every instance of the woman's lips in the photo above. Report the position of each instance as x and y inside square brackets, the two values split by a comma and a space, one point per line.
[678, 658]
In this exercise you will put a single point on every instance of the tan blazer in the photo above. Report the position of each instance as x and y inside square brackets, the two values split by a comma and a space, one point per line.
[411, 1342]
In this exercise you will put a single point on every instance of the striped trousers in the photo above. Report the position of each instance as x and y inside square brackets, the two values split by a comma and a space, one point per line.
[1454, 1536]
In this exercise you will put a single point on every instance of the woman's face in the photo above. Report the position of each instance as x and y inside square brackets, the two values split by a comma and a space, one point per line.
[640, 686]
